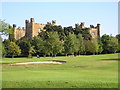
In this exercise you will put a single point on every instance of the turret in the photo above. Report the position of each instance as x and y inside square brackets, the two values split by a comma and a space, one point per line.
[32, 19]
[91, 26]
[26, 27]
[53, 22]
[49, 23]
[98, 27]
[14, 25]
[26, 21]
[76, 25]
[82, 25]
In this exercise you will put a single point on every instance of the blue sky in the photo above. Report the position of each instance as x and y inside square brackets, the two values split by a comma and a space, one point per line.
[65, 13]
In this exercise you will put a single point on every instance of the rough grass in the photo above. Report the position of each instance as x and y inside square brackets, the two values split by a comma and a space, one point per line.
[94, 71]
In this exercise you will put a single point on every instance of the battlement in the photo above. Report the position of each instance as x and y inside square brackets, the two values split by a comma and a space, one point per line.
[19, 28]
[93, 30]
[52, 23]
[80, 25]
[18, 32]
[33, 29]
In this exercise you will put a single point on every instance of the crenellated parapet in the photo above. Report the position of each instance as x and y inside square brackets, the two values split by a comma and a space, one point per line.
[93, 30]
[82, 25]
[18, 32]
[32, 29]
[52, 23]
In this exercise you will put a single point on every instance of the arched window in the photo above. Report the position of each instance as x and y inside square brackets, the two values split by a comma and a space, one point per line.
[93, 33]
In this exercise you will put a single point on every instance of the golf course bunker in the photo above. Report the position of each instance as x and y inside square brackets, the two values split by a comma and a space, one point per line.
[41, 62]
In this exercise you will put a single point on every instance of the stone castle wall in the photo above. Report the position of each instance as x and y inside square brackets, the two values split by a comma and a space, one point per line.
[32, 29]
[94, 31]
[19, 33]
[37, 28]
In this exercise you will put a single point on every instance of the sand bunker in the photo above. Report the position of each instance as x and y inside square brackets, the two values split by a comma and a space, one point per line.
[7, 61]
[40, 62]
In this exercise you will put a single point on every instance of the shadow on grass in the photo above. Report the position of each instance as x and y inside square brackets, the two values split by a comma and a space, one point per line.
[59, 61]
[115, 59]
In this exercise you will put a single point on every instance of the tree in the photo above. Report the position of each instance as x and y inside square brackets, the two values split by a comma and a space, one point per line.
[100, 47]
[3, 50]
[91, 46]
[43, 35]
[51, 28]
[38, 44]
[81, 44]
[13, 49]
[71, 44]
[85, 33]
[5, 28]
[95, 46]
[31, 51]
[46, 50]
[24, 46]
[105, 40]
[118, 37]
[53, 43]
[68, 30]
[88, 46]
[6, 43]
[112, 45]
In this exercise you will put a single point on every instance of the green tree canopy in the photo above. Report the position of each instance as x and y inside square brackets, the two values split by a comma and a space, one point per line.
[53, 43]
[3, 50]
[81, 44]
[38, 44]
[13, 49]
[85, 33]
[100, 47]
[91, 46]
[71, 44]
[24, 46]
[112, 45]
[105, 40]
[5, 28]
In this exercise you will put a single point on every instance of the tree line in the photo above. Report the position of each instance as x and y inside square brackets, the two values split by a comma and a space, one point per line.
[55, 40]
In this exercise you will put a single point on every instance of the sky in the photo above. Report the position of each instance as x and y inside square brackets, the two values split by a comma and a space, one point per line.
[65, 14]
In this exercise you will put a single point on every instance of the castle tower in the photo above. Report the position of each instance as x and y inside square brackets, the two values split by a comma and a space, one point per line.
[82, 25]
[27, 28]
[76, 25]
[14, 30]
[53, 22]
[98, 28]
[95, 31]
[18, 33]
[32, 27]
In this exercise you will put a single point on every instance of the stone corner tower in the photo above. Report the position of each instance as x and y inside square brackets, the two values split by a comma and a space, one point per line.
[95, 31]
[29, 28]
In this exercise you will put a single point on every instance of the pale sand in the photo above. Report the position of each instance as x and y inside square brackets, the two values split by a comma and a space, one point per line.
[7, 61]
[38, 62]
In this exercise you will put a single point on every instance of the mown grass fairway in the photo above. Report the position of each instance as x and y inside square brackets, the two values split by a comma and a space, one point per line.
[94, 71]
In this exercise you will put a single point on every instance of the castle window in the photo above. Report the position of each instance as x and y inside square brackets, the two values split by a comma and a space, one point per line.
[39, 29]
[93, 33]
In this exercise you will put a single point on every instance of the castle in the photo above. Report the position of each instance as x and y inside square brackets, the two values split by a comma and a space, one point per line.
[32, 29]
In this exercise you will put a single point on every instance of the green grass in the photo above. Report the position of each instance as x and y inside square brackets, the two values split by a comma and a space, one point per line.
[94, 71]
